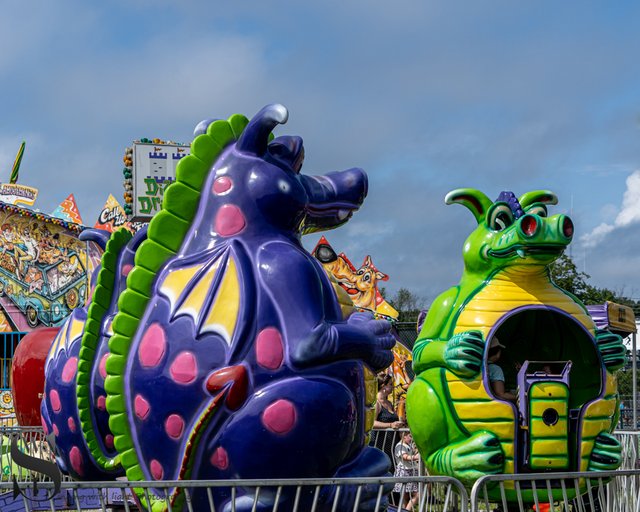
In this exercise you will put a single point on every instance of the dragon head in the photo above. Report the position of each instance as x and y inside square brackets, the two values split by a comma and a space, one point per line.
[512, 231]
[258, 185]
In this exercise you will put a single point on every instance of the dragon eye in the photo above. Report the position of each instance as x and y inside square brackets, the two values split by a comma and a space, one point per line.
[537, 209]
[500, 217]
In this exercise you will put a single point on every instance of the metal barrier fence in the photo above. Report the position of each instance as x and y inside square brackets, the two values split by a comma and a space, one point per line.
[31, 441]
[441, 494]
[610, 491]
[387, 440]
[630, 441]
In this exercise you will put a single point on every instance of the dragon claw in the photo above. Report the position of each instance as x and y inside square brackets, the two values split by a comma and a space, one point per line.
[606, 454]
[612, 349]
[464, 353]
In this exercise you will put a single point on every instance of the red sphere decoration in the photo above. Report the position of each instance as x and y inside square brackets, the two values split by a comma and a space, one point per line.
[27, 374]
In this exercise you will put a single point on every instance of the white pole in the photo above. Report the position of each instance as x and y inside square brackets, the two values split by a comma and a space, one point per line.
[634, 371]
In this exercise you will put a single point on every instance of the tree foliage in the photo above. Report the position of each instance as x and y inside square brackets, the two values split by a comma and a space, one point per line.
[408, 305]
[566, 275]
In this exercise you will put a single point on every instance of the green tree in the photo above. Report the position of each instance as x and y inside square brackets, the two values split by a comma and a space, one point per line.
[408, 305]
[566, 275]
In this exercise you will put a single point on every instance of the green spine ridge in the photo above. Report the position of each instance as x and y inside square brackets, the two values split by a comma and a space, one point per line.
[165, 235]
[105, 286]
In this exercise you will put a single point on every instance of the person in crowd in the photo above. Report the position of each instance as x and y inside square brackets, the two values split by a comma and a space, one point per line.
[407, 459]
[496, 375]
[386, 417]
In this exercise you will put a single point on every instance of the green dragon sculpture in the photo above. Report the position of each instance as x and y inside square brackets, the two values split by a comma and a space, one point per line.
[566, 404]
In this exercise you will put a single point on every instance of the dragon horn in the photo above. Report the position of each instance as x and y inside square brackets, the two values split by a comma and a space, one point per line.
[473, 199]
[255, 137]
[538, 196]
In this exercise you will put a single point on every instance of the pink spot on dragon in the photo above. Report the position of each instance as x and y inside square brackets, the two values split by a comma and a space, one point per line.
[227, 354]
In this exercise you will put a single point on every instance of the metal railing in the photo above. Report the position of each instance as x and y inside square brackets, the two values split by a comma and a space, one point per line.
[630, 441]
[443, 494]
[582, 492]
[31, 441]
[610, 491]
[387, 439]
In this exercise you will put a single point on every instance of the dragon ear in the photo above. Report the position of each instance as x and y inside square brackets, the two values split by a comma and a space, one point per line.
[473, 199]
[538, 196]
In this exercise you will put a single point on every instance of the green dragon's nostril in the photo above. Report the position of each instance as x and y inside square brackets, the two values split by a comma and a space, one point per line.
[567, 227]
[529, 225]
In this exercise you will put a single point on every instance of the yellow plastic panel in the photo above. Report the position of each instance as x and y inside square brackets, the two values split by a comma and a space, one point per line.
[466, 390]
[369, 417]
[370, 390]
[538, 428]
[484, 411]
[505, 430]
[591, 428]
[539, 406]
[547, 390]
[543, 447]
[547, 462]
[601, 408]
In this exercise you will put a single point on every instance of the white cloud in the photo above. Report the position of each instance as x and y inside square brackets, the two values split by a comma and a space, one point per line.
[629, 214]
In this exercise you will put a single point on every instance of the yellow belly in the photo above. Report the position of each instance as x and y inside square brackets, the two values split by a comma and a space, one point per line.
[509, 290]
[473, 406]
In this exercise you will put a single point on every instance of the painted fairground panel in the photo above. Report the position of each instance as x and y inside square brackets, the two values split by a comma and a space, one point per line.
[150, 167]
[43, 269]
[361, 286]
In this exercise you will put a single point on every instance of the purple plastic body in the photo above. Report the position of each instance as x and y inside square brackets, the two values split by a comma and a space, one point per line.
[276, 392]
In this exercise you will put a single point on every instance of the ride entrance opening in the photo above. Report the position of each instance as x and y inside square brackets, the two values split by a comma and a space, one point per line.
[551, 364]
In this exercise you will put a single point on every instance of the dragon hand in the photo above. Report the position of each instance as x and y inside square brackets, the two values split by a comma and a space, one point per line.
[464, 352]
[612, 349]
[381, 341]
[471, 458]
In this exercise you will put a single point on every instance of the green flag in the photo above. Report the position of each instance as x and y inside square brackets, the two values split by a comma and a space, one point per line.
[16, 164]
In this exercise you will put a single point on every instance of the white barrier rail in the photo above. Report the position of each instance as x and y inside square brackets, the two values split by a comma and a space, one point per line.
[605, 491]
[441, 494]
[630, 441]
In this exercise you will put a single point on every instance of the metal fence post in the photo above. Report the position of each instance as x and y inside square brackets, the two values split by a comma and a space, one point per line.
[634, 375]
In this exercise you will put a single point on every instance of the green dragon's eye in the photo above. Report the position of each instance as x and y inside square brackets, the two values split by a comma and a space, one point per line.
[499, 217]
[537, 209]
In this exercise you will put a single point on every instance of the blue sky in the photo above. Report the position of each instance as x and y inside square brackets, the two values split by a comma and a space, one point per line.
[426, 96]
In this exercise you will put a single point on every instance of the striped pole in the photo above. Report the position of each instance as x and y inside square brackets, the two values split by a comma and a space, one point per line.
[16, 164]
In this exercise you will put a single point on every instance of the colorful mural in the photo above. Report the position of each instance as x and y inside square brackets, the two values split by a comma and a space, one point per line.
[361, 286]
[360, 283]
[43, 269]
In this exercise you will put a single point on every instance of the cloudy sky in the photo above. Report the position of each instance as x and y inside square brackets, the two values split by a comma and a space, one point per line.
[426, 96]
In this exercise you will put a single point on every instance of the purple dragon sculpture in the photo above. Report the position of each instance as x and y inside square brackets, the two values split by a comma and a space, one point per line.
[225, 354]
